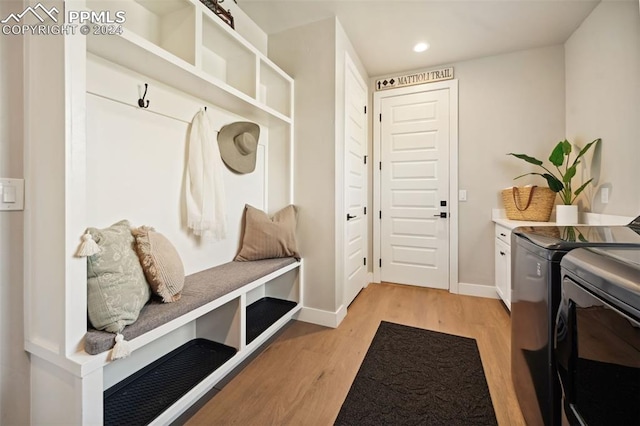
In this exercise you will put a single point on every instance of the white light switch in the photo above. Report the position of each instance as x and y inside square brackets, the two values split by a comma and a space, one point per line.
[11, 194]
[462, 195]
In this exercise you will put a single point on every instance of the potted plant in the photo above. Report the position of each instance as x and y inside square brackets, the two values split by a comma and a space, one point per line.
[560, 180]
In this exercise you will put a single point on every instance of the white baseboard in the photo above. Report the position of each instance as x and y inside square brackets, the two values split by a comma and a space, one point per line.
[320, 317]
[478, 290]
[369, 279]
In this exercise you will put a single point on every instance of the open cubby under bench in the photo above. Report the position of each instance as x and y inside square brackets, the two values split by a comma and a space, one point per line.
[224, 314]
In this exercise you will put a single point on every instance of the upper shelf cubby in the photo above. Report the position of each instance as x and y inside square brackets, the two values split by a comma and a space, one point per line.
[183, 44]
[274, 88]
[168, 24]
[226, 57]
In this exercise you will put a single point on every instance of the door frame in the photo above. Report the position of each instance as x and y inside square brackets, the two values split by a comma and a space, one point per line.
[452, 86]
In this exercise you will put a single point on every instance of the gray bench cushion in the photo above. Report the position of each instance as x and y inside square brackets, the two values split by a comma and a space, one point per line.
[199, 289]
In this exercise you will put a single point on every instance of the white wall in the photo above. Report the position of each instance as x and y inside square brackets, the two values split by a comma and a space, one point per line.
[314, 55]
[14, 362]
[308, 55]
[603, 100]
[507, 103]
[136, 162]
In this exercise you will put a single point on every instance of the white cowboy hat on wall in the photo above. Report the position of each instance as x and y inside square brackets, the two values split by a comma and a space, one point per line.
[238, 143]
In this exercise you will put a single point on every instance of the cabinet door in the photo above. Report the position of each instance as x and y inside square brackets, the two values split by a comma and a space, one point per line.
[503, 271]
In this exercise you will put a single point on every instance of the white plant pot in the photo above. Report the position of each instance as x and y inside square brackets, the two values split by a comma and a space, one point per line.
[566, 215]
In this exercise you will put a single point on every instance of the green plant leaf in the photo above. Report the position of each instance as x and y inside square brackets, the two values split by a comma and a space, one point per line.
[528, 159]
[584, 150]
[582, 187]
[557, 155]
[566, 147]
[526, 174]
[554, 183]
[570, 173]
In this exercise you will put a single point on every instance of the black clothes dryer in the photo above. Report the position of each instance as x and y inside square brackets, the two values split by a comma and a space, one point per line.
[597, 343]
[535, 297]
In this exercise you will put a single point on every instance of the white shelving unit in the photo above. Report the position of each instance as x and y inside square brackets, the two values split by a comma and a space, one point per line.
[214, 63]
[181, 44]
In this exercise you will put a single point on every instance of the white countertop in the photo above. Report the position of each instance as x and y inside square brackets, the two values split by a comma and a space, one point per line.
[586, 219]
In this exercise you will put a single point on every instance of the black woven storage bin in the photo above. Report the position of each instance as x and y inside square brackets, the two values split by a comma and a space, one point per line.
[263, 313]
[143, 396]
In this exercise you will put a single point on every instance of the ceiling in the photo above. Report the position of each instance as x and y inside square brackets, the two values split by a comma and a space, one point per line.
[384, 32]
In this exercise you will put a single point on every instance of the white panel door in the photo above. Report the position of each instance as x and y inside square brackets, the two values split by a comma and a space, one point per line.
[414, 176]
[355, 252]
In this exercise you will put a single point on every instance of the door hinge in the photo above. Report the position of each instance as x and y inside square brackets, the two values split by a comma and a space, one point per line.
[380, 214]
[365, 261]
[380, 165]
[381, 118]
[365, 109]
[365, 159]
[380, 263]
[365, 210]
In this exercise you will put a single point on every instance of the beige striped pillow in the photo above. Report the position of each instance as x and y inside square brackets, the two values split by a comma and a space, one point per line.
[268, 237]
[160, 262]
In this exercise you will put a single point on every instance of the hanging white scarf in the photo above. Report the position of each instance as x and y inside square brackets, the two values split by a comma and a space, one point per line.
[206, 202]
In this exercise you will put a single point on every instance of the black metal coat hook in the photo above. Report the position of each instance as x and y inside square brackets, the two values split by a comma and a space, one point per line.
[141, 103]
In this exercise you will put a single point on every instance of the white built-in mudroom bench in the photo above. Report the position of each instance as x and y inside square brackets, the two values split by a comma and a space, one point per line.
[93, 157]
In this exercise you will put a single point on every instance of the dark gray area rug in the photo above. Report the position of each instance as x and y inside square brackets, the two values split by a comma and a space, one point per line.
[412, 376]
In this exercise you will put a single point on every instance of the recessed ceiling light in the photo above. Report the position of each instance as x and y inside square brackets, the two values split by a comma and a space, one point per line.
[420, 47]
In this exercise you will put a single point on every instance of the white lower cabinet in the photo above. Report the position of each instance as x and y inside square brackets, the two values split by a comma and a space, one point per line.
[503, 264]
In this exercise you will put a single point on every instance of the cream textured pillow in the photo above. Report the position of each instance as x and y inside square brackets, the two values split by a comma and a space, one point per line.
[160, 262]
[116, 288]
[265, 237]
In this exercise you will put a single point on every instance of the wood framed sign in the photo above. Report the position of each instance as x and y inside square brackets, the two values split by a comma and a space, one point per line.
[413, 79]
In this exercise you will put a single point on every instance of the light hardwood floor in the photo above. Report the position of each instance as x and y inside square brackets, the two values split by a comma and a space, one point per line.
[303, 377]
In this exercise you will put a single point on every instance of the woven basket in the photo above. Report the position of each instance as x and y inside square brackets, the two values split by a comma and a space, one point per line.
[528, 203]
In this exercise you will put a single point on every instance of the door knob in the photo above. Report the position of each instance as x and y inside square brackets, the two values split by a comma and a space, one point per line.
[349, 217]
[442, 215]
